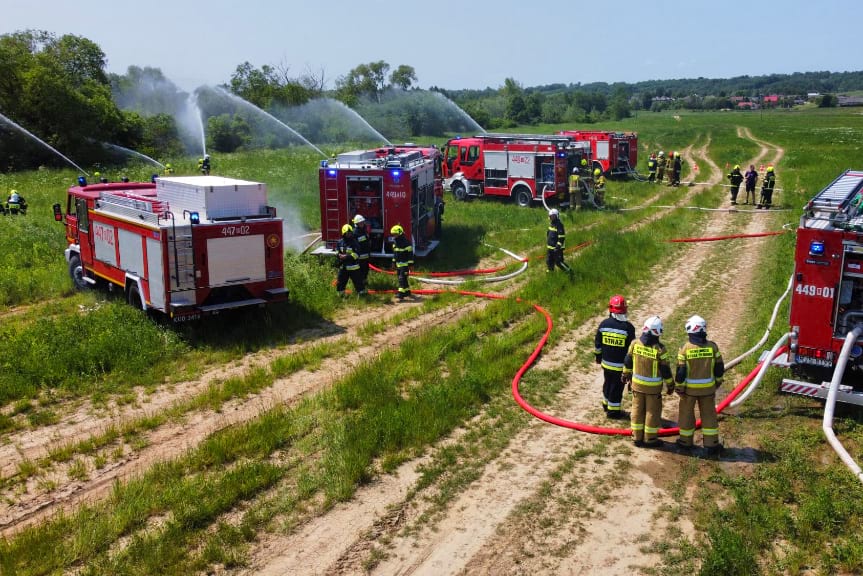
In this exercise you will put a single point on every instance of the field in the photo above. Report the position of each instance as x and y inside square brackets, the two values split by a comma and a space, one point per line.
[353, 436]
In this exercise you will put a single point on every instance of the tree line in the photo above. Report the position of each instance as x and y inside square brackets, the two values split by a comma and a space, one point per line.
[58, 89]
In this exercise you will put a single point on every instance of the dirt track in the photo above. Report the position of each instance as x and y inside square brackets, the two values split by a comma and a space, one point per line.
[585, 520]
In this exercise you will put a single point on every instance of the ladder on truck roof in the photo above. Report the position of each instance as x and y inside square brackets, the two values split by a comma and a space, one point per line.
[839, 193]
[143, 208]
[537, 138]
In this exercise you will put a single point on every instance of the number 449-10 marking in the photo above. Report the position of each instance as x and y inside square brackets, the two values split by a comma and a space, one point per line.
[812, 290]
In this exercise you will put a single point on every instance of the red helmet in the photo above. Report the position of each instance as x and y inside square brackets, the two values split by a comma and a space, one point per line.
[617, 304]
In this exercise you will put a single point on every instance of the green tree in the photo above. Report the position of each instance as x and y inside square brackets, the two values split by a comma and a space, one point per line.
[828, 101]
[403, 77]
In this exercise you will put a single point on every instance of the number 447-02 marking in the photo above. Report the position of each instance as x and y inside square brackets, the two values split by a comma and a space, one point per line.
[812, 290]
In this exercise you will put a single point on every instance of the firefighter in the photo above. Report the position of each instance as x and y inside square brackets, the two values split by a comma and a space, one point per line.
[661, 163]
[699, 374]
[201, 165]
[612, 340]
[575, 189]
[15, 204]
[645, 370]
[736, 178]
[169, 170]
[555, 242]
[403, 258]
[361, 233]
[767, 189]
[598, 187]
[651, 167]
[751, 178]
[205, 165]
[349, 266]
[677, 166]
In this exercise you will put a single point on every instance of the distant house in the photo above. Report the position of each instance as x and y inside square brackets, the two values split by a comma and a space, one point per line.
[747, 105]
[771, 99]
[850, 100]
[736, 99]
[811, 95]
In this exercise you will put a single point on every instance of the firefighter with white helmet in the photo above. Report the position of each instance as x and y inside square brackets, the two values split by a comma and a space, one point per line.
[361, 234]
[555, 242]
[347, 252]
[767, 186]
[661, 163]
[699, 373]
[403, 258]
[611, 342]
[15, 204]
[575, 189]
[645, 369]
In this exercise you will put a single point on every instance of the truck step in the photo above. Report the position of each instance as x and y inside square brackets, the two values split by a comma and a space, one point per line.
[845, 394]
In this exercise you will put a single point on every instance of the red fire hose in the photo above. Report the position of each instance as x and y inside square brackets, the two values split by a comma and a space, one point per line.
[729, 237]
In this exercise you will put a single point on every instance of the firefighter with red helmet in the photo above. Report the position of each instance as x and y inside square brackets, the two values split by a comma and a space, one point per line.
[612, 340]
[699, 373]
[361, 234]
[645, 370]
[403, 258]
[347, 252]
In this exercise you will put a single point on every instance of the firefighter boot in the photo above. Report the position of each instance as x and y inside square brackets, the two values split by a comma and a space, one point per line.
[715, 451]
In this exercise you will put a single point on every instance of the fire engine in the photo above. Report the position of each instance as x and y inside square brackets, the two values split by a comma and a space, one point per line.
[186, 247]
[517, 166]
[615, 153]
[827, 289]
[387, 186]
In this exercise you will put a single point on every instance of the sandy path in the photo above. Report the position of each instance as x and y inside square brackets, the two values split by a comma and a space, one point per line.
[481, 532]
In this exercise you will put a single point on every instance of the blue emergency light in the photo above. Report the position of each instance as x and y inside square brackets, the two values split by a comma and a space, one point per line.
[396, 173]
[331, 172]
[194, 217]
[816, 248]
[324, 163]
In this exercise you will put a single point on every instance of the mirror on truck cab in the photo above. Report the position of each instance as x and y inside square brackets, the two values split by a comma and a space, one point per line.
[58, 213]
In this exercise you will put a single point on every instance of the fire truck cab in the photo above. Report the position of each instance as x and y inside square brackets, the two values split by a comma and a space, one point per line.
[615, 153]
[387, 186]
[827, 290]
[186, 247]
[518, 166]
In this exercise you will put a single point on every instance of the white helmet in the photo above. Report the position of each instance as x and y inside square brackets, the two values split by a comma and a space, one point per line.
[14, 198]
[553, 213]
[358, 219]
[653, 325]
[696, 324]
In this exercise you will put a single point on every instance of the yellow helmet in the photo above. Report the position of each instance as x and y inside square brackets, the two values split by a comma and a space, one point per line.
[770, 168]
[737, 166]
[347, 228]
[677, 154]
[597, 172]
[397, 230]
[96, 175]
[168, 165]
[584, 162]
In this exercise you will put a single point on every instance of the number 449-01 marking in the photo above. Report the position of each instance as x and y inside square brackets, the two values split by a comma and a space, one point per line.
[812, 290]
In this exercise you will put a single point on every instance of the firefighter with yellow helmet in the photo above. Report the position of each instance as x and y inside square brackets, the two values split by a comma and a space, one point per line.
[699, 373]
[598, 187]
[767, 186]
[645, 369]
[348, 254]
[403, 259]
[611, 343]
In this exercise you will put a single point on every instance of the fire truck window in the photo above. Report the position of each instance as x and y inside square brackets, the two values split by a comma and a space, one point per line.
[472, 154]
[463, 154]
[81, 211]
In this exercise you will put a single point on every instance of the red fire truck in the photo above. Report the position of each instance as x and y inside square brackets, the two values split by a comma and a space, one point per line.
[387, 186]
[186, 246]
[827, 291]
[517, 166]
[615, 153]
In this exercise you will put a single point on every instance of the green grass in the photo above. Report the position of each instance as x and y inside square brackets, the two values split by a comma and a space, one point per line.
[399, 402]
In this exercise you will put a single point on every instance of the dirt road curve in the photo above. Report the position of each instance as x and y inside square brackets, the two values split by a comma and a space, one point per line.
[540, 507]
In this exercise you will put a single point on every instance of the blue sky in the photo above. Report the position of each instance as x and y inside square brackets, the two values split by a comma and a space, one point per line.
[466, 44]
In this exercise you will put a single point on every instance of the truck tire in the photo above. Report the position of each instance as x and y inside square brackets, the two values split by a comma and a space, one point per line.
[134, 298]
[76, 272]
[459, 192]
[522, 196]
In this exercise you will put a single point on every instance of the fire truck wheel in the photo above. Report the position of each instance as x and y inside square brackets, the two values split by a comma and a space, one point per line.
[522, 196]
[76, 271]
[134, 297]
[459, 192]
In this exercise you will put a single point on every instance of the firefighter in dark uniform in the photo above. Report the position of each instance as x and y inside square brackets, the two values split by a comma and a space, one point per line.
[205, 165]
[403, 258]
[361, 234]
[15, 204]
[651, 168]
[555, 242]
[736, 179]
[677, 167]
[767, 189]
[645, 370]
[612, 340]
[347, 252]
[699, 373]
